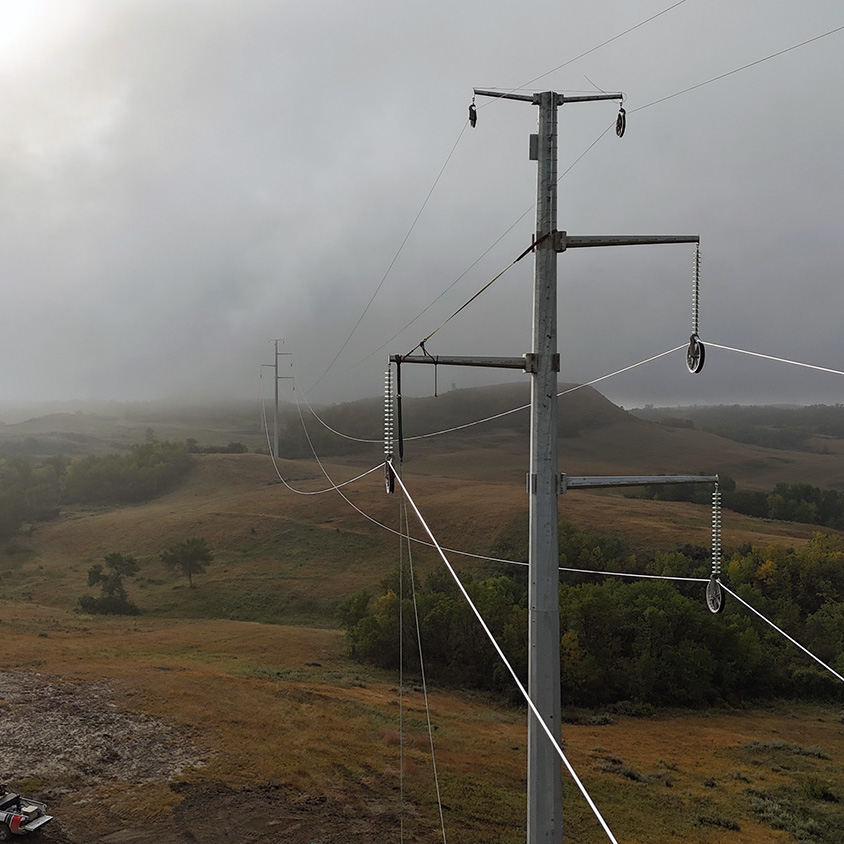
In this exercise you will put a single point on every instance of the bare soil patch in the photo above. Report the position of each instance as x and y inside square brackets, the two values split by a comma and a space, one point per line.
[73, 734]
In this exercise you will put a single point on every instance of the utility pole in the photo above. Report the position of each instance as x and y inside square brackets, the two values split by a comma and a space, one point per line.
[545, 792]
[274, 365]
[544, 481]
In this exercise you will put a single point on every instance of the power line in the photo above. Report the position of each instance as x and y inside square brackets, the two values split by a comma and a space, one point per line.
[392, 263]
[783, 633]
[334, 430]
[740, 69]
[421, 662]
[312, 492]
[503, 413]
[778, 360]
[597, 47]
[540, 720]
[633, 575]
[560, 394]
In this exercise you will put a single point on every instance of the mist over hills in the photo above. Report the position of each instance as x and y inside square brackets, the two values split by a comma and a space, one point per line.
[757, 446]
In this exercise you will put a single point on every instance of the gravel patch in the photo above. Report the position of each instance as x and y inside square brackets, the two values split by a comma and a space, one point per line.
[73, 735]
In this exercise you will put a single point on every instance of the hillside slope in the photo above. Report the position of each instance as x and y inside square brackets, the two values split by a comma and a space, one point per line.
[285, 557]
[282, 556]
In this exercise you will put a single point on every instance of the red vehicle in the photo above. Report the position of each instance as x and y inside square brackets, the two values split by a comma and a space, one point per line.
[19, 815]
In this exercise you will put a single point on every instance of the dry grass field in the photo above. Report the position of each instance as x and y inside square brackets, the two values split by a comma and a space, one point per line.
[257, 726]
[280, 723]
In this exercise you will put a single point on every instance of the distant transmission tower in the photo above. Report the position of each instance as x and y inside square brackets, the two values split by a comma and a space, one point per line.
[274, 365]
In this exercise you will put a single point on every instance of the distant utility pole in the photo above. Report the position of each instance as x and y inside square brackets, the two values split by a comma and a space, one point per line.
[544, 481]
[276, 379]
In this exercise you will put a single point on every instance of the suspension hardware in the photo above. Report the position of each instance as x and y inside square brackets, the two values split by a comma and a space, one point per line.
[389, 477]
[714, 593]
[696, 353]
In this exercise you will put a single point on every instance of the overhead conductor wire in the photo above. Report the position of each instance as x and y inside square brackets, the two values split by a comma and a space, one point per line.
[522, 216]
[301, 491]
[441, 550]
[604, 132]
[503, 413]
[539, 719]
[395, 258]
[778, 360]
[406, 537]
[783, 633]
[739, 69]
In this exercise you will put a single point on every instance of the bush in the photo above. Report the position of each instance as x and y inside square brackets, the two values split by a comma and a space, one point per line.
[107, 605]
[109, 577]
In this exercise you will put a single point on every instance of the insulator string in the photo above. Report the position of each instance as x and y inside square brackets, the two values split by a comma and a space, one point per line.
[388, 413]
[716, 532]
[696, 293]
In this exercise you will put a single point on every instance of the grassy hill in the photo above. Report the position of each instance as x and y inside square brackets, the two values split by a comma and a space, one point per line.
[286, 557]
[284, 730]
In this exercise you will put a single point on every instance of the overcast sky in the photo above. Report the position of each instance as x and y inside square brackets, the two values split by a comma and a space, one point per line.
[183, 180]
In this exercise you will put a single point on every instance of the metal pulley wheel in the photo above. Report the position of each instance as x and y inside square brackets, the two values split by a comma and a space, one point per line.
[695, 354]
[389, 479]
[714, 596]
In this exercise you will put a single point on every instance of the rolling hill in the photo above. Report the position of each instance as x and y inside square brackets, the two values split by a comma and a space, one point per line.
[272, 719]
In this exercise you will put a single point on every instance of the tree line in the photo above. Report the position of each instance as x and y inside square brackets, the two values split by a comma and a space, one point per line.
[765, 425]
[647, 641]
[33, 491]
[786, 502]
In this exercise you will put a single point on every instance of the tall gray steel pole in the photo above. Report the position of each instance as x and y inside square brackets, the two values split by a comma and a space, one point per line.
[545, 800]
[544, 797]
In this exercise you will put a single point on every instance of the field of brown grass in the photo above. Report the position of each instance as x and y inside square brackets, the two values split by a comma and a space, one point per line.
[301, 744]
[281, 716]
[285, 557]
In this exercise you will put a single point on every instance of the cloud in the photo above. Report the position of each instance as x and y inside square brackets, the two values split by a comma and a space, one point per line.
[182, 181]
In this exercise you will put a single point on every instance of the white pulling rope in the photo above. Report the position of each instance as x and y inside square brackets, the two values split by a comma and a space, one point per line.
[422, 666]
[561, 393]
[539, 718]
[771, 357]
[782, 632]
[639, 576]
[497, 415]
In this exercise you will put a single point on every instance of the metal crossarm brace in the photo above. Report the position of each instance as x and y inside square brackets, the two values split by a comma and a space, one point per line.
[598, 482]
[440, 360]
[563, 240]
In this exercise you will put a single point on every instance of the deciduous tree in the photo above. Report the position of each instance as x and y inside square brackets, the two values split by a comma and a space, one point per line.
[190, 557]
